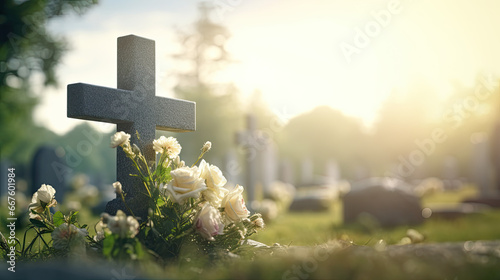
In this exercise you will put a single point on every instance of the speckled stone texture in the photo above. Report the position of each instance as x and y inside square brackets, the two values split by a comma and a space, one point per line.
[133, 106]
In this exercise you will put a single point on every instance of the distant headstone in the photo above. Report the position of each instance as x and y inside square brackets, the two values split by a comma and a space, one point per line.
[390, 202]
[488, 195]
[4, 165]
[332, 172]
[307, 172]
[45, 169]
[451, 173]
[133, 107]
[250, 142]
[268, 166]
[314, 202]
[495, 156]
[481, 167]
[286, 172]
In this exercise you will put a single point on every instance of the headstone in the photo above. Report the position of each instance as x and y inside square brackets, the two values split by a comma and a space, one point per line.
[307, 172]
[287, 172]
[481, 168]
[388, 201]
[267, 166]
[45, 169]
[314, 202]
[4, 165]
[488, 195]
[249, 141]
[451, 173]
[453, 211]
[495, 156]
[332, 172]
[133, 107]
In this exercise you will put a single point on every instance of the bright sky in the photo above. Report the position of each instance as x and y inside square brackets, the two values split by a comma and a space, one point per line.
[300, 54]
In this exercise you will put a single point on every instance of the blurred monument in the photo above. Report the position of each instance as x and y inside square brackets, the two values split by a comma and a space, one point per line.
[45, 169]
[382, 202]
[483, 166]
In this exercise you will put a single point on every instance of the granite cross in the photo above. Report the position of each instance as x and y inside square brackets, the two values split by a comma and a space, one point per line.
[133, 107]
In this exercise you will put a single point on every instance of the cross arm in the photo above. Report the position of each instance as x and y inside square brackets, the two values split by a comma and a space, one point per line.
[96, 103]
[174, 114]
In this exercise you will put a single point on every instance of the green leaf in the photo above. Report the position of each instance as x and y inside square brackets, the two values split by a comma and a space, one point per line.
[58, 218]
[72, 218]
[38, 223]
[160, 202]
[138, 250]
[45, 231]
[108, 244]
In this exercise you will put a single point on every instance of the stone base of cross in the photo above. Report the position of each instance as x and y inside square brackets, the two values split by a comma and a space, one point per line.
[134, 108]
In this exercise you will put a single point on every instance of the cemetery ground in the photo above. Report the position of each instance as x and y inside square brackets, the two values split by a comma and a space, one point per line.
[317, 245]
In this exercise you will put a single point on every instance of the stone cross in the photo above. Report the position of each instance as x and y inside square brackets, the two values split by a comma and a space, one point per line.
[133, 107]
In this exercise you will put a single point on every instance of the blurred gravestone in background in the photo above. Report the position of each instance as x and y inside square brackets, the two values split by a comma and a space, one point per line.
[385, 201]
[495, 156]
[45, 170]
[482, 166]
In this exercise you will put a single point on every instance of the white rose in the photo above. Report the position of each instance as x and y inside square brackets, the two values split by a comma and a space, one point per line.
[186, 183]
[169, 145]
[120, 138]
[69, 237]
[234, 205]
[208, 222]
[259, 222]
[206, 147]
[99, 231]
[122, 225]
[215, 182]
[118, 187]
[44, 197]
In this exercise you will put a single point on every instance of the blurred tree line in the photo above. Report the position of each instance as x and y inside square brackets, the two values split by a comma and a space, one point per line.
[29, 54]
[322, 135]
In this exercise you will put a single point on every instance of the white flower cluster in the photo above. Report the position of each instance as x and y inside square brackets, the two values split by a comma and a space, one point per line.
[120, 224]
[169, 145]
[69, 237]
[205, 182]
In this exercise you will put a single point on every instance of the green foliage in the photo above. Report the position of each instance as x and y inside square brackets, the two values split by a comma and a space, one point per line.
[325, 134]
[27, 47]
[308, 228]
[58, 218]
[408, 117]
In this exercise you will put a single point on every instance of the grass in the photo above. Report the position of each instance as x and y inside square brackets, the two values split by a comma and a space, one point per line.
[309, 228]
[349, 262]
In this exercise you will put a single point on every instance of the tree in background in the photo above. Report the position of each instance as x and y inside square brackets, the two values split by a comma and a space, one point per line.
[325, 134]
[27, 48]
[218, 109]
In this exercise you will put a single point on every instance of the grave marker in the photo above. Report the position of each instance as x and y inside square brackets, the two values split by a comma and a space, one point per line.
[481, 168]
[267, 166]
[44, 170]
[249, 141]
[133, 106]
[388, 201]
[307, 175]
